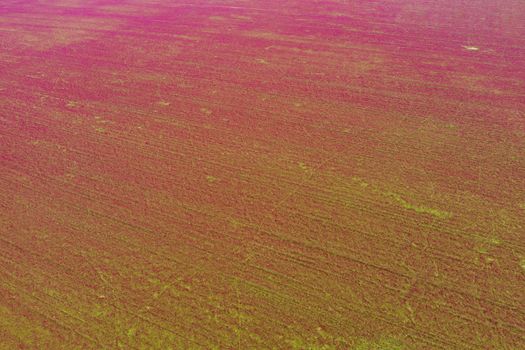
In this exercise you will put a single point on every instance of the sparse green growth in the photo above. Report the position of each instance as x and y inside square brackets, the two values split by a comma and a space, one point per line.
[303, 166]
[300, 344]
[131, 332]
[20, 327]
[382, 344]
[98, 311]
[482, 250]
[495, 241]
[360, 181]
[235, 223]
[206, 111]
[245, 18]
[211, 179]
[419, 208]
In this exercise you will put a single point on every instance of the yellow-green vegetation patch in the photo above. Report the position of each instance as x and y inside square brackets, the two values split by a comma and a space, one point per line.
[301, 344]
[131, 332]
[206, 111]
[21, 328]
[71, 104]
[381, 344]
[319, 340]
[236, 223]
[217, 18]
[99, 311]
[152, 337]
[360, 181]
[305, 167]
[101, 120]
[401, 201]
[404, 312]
[337, 14]
[419, 208]
[241, 17]
[482, 250]
[211, 178]
[495, 241]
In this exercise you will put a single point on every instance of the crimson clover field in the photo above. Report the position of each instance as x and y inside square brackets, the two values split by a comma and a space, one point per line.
[262, 174]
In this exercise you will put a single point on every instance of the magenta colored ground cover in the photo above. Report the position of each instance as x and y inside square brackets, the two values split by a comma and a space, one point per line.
[262, 174]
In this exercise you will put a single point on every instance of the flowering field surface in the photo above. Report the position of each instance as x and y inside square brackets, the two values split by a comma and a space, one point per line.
[262, 174]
